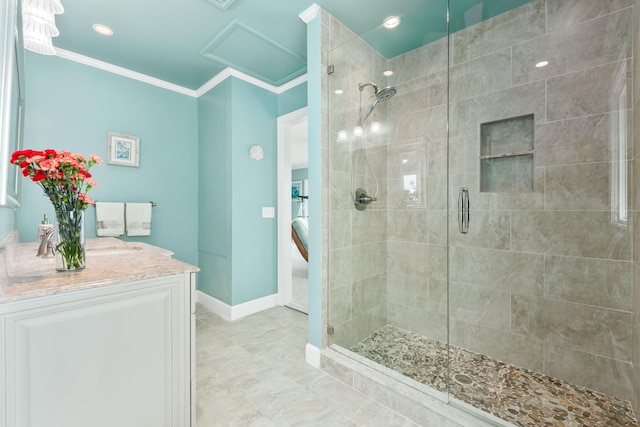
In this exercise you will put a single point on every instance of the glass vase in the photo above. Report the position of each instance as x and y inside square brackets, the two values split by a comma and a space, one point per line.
[70, 241]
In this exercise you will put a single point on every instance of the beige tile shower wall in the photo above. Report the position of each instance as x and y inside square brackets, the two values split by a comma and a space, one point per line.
[416, 227]
[564, 307]
[357, 278]
[544, 279]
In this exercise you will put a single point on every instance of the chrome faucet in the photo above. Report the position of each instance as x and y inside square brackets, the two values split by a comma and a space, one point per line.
[46, 250]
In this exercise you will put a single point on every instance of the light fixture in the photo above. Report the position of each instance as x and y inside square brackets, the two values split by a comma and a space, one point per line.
[343, 136]
[358, 131]
[39, 44]
[39, 25]
[388, 73]
[376, 127]
[338, 91]
[102, 29]
[542, 64]
[50, 6]
[38, 21]
[256, 152]
[391, 22]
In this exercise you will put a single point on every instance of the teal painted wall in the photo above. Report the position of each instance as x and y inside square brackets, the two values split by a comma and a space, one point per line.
[253, 185]
[314, 96]
[293, 99]
[194, 165]
[238, 248]
[214, 192]
[72, 106]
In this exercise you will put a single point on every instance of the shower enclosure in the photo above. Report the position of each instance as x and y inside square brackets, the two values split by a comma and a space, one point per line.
[494, 264]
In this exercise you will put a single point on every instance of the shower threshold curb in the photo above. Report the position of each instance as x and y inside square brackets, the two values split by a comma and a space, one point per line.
[416, 402]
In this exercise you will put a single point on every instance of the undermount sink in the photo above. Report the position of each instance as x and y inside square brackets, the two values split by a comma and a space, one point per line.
[112, 250]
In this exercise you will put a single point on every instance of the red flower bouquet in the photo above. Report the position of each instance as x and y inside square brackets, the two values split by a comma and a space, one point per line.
[65, 179]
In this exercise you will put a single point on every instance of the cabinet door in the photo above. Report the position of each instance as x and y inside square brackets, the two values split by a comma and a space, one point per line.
[110, 360]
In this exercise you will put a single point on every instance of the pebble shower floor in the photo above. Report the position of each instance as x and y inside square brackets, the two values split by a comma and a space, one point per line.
[519, 396]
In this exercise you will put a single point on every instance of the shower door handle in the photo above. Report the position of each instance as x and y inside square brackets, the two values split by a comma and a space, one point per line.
[463, 210]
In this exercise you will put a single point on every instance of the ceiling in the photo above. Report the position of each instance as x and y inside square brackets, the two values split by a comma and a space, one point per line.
[188, 42]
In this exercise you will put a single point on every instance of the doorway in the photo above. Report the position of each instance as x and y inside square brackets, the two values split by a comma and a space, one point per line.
[292, 204]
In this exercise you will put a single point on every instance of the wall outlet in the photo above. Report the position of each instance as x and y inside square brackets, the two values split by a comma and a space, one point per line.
[268, 212]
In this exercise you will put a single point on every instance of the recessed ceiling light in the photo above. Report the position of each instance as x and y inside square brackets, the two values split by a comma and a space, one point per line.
[338, 92]
[542, 64]
[391, 22]
[102, 29]
[388, 73]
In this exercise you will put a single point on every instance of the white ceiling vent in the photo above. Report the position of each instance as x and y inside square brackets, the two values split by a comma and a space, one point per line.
[221, 4]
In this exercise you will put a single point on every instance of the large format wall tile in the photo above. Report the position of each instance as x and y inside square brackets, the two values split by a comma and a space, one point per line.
[479, 305]
[341, 308]
[410, 225]
[419, 321]
[410, 96]
[486, 230]
[573, 48]
[467, 115]
[517, 272]
[359, 327]
[578, 187]
[418, 258]
[486, 74]
[408, 289]
[341, 271]
[369, 293]
[520, 350]
[561, 14]
[604, 374]
[601, 283]
[590, 329]
[430, 124]
[580, 140]
[339, 229]
[572, 233]
[575, 94]
[368, 226]
[515, 26]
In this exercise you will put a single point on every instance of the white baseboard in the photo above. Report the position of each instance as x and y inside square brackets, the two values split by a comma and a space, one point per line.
[230, 313]
[312, 355]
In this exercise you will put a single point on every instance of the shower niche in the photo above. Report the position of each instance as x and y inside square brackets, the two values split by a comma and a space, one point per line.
[506, 155]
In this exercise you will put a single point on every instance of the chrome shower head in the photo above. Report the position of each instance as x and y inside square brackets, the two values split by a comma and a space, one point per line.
[381, 95]
[386, 93]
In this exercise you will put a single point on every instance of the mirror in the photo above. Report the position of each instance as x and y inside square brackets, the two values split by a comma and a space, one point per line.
[11, 98]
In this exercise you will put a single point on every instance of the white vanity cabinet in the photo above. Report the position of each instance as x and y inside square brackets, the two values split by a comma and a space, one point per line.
[120, 355]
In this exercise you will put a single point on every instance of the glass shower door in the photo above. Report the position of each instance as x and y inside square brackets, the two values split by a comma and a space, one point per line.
[387, 272]
[540, 260]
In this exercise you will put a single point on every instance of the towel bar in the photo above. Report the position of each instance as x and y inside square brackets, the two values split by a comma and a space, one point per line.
[153, 204]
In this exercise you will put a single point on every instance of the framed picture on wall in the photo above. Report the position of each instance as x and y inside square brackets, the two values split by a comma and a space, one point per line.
[296, 189]
[123, 150]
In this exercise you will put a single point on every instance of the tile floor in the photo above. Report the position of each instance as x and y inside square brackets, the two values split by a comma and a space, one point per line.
[252, 372]
[299, 281]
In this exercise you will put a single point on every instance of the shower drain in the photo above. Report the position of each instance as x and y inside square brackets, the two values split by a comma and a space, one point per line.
[462, 379]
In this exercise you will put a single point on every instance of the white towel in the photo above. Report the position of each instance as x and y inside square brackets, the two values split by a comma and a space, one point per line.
[109, 219]
[138, 217]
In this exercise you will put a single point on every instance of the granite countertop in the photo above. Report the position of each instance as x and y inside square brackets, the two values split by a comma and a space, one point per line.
[108, 261]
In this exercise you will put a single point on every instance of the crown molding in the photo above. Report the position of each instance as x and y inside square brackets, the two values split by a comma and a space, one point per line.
[92, 62]
[309, 13]
[216, 80]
